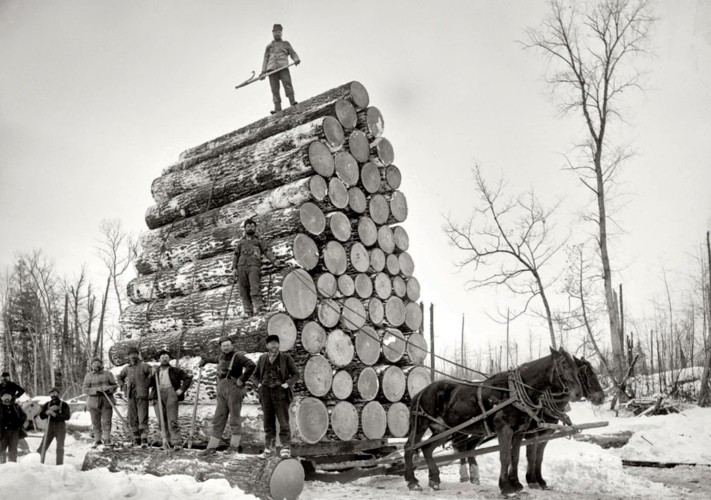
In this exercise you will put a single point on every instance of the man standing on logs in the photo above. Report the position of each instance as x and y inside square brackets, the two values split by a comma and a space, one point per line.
[247, 266]
[134, 380]
[11, 419]
[170, 384]
[11, 387]
[276, 374]
[100, 385]
[58, 412]
[277, 56]
[233, 372]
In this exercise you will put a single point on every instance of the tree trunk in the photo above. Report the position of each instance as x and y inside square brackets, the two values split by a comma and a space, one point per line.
[308, 420]
[339, 348]
[398, 419]
[339, 226]
[265, 478]
[357, 202]
[368, 383]
[344, 420]
[704, 397]
[401, 238]
[383, 286]
[377, 260]
[373, 420]
[313, 337]
[346, 166]
[353, 314]
[418, 377]
[318, 375]
[413, 316]
[376, 311]
[393, 345]
[393, 382]
[395, 311]
[342, 384]
[371, 122]
[335, 258]
[363, 284]
[337, 193]
[367, 231]
[359, 257]
[345, 285]
[381, 152]
[367, 345]
[399, 287]
[299, 294]
[416, 348]
[386, 239]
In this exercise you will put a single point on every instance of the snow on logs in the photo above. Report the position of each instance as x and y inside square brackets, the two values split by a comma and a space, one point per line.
[320, 181]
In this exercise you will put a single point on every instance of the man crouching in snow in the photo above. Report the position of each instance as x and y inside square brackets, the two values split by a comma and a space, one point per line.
[11, 419]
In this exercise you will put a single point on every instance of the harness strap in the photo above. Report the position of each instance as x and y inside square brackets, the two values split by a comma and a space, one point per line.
[483, 410]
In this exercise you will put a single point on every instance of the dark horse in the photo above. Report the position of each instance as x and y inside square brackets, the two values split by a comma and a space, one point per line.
[445, 404]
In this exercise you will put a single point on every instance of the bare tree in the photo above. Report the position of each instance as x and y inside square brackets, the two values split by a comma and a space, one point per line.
[117, 249]
[507, 242]
[592, 49]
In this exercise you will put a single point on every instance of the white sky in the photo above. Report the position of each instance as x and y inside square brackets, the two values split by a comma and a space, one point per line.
[98, 96]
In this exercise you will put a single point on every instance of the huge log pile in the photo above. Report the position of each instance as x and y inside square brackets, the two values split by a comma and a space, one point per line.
[320, 182]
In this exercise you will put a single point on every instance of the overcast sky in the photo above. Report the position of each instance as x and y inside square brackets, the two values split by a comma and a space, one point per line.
[98, 96]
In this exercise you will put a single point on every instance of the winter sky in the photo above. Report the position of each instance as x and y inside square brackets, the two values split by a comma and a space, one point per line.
[98, 96]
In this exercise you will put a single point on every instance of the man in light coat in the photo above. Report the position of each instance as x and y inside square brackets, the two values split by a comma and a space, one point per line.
[277, 56]
[100, 385]
[134, 380]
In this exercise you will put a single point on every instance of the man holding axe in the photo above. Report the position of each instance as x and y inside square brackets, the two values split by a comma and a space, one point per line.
[100, 385]
[57, 411]
[170, 383]
[276, 56]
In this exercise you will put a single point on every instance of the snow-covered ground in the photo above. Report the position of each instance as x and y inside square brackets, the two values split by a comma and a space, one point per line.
[573, 470]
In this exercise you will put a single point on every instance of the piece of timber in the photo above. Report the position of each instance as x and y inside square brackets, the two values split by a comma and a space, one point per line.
[371, 122]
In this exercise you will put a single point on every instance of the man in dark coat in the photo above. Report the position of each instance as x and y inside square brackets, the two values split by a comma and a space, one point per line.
[134, 380]
[276, 374]
[277, 56]
[11, 419]
[7, 385]
[247, 266]
[58, 412]
[233, 372]
[171, 383]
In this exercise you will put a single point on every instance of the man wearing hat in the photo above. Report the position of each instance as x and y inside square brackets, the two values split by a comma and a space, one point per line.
[277, 56]
[58, 413]
[100, 385]
[170, 384]
[11, 419]
[134, 380]
[247, 267]
[276, 375]
[7, 385]
[233, 372]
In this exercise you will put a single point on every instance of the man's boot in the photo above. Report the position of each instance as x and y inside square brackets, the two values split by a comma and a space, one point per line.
[277, 107]
[292, 101]
[137, 440]
[144, 442]
[285, 452]
[234, 442]
[212, 445]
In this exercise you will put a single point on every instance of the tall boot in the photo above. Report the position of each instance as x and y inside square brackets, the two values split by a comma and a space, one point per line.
[277, 107]
[212, 445]
[292, 100]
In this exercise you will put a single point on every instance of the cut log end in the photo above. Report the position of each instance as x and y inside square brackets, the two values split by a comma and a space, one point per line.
[321, 159]
[333, 132]
[342, 385]
[337, 193]
[309, 419]
[282, 326]
[359, 95]
[339, 348]
[318, 375]
[367, 344]
[373, 420]
[312, 218]
[398, 420]
[313, 337]
[368, 384]
[298, 294]
[346, 114]
[305, 252]
[347, 168]
[344, 420]
[358, 146]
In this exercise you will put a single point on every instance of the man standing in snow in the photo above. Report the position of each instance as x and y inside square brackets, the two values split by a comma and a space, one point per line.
[277, 56]
[276, 374]
[58, 413]
[11, 419]
[134, 380]
[233, 372]
[247, 266]
[7, 385]
[100, 385]
[170, 384]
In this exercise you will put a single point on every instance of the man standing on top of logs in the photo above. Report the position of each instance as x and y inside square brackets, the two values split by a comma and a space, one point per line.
[276, 374]
[11, 419]
[11, 387]
[173, 383]
[233, 372]
[58, 412]
[247, 267]
[277, 56]
[134, 380]
[100, 385]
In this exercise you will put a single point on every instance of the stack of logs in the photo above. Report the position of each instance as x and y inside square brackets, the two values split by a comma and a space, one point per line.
[320, 182]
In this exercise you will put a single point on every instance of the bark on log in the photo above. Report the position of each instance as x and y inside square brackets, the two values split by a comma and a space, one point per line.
[368, 384]
[346, 168]
[353, 315]
[393, 345]
[376, 311]
[346, 285]
[395, 311]
[265, 478]
[337, 193]
[371, 122]
[328, 312]
[398, 419]
[242, 183]
[313, 337]
[327, 131]
[344, 420]
[399, 287]
[326, 285]
[334, 258]
[358, 146]
[308, 420]
[407, 265]
[363, 285]
[339, 348]
[416, 348]
[357, 201]
[367, 345]
[401, 238]
[392, 265]
[298, 294]
[359, 257]
[381, 151]
[398, 206]
[413, 316]
[367, 231]
[318, 375]
[373, 420]
[342, 385]
[393, 382]
[386, 239]
[379, 209]
[340, 102]
[339, 226]
[413, 289]
[377, 260]
[418, 377]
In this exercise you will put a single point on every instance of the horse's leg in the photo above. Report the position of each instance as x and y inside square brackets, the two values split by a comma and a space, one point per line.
[409, 453]
[505, 434]
[463, 471]
[431, 465]
[531, 457]
[515, 454]
[473, 466]
[539, 462]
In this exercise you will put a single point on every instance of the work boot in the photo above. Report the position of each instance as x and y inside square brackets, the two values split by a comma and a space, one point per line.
[285, 452]
[96, 444]
[277, 107]
[137, 441]
[234, 441]
[292, 101]
[212, 445]
[144, 442]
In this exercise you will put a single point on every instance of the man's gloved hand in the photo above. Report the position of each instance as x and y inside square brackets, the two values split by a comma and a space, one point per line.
[262, 76]
[296, 63]
[240, 383]
[202, 363]
[54, 408]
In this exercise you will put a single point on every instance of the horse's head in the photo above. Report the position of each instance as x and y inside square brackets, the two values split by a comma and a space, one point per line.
[592, 390]
[564, 375]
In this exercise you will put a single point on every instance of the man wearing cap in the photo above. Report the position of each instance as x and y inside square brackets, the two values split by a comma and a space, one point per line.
[247, 267]
[134, 380]
[276, 374]
[11, 387]
[171, 383]
[277, 56]
[100, 385]
[58, 412]
[11, 419]
[233, 372]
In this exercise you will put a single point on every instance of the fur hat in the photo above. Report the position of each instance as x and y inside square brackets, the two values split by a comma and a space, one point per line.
[272, 338]
[277, 27]
[163, 351]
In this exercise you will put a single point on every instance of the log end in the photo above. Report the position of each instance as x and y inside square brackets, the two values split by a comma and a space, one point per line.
[287, 480]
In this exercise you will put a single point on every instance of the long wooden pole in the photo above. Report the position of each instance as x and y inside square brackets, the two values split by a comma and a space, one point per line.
[432, 343]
